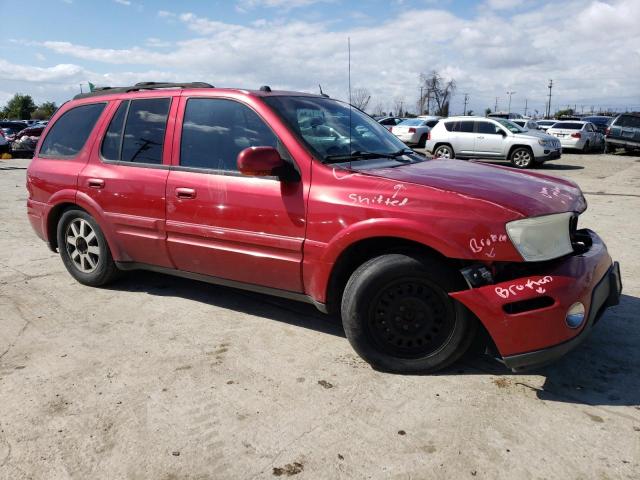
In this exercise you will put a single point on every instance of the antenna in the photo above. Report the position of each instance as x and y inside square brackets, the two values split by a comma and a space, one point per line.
[350, 107]
[320, 87]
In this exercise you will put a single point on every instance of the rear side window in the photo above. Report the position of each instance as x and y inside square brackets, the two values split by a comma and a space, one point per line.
[113, 138]
[70, 132]
[628, 121]
[450, 126]
[466, 126]
[215, 131]
[144, 131]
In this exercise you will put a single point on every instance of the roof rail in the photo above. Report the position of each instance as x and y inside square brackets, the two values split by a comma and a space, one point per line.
[141, 86]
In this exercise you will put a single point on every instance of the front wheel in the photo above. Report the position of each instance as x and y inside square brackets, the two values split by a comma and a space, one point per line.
[444, 151]
[84, 250]
[522, 158]
[398, 316]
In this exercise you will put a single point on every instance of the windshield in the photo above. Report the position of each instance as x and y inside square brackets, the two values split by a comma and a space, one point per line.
[324, 126]
[412, 123]
[513, 128]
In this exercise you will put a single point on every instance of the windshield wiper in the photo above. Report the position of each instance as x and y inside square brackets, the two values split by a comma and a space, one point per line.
[358, 155]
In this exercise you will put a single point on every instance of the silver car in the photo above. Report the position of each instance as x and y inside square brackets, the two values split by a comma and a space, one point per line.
[578, 135]
[491, 138]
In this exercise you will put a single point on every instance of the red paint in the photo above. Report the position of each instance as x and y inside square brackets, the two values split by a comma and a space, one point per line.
[290, 234]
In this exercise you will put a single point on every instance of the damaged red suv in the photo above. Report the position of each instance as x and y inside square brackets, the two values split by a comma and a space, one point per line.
[301, 196]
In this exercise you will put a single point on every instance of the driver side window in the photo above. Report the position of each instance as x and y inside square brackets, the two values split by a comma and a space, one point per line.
[487, 128]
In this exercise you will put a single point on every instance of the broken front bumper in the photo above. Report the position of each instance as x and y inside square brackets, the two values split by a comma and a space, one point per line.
[526, 316]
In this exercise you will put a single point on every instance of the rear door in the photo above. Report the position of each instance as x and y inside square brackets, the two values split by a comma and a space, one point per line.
[127, 177]
[489, 141]
[224, 224]
[464, 138]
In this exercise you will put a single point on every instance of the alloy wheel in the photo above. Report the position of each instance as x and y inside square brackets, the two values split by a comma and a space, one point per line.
[82, 245]
[522, 158]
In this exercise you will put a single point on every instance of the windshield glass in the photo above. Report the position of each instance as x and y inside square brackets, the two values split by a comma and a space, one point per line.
[323, 125]
[569, 125]
[513, 128]
[411, 123]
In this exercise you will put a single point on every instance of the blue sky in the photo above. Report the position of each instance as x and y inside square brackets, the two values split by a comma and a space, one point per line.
[590, 48]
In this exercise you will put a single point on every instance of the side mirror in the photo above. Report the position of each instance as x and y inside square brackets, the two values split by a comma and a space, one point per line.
[259, 161]
[502, 132]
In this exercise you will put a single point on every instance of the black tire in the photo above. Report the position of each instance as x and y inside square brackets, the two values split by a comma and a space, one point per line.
[444, 151]
[87, 257]
[398, 316]
[522, 157]
[423, 141]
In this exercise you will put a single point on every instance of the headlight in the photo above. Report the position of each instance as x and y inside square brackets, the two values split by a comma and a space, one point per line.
[545, 142]
[541, 238]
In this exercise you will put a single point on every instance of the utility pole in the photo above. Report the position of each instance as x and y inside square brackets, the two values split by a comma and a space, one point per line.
[495, 109]
[80, 88]
[466, 100]
[549, 105]
[525, 107]
[510, 93]
[421, 101]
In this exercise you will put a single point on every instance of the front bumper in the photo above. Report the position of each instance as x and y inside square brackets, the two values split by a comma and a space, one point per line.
[526, 314]
[552, 154]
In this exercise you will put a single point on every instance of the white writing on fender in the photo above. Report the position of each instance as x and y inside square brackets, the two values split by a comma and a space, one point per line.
[516, 288]
[379, 199]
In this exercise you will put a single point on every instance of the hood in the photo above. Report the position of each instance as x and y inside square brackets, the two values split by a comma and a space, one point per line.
[527, 193]
[534, 133]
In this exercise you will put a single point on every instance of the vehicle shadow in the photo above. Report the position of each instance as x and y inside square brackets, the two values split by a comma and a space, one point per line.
[601, 371]
[559, 166]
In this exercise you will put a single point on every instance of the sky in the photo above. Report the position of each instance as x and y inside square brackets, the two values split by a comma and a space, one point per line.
[590, 48]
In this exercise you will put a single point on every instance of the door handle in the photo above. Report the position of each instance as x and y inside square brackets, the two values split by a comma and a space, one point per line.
[95, 183]
[182, 192]
[480, 137]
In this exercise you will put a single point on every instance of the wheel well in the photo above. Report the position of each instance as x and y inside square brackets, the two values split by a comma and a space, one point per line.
[358, 253]
[519, 146]
[439, 144]
[52, 222]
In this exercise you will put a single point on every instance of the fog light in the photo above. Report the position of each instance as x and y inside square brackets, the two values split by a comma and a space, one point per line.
[575, 315]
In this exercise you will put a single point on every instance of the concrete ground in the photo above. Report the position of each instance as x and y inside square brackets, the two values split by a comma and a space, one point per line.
[164, 378]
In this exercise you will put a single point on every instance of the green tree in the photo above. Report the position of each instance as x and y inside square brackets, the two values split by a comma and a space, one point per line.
[19, 107]
[44, 111]
[487, 111]
[567, 112]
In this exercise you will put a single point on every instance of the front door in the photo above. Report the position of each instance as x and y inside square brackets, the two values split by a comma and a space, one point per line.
[489, 141]
[224, 224]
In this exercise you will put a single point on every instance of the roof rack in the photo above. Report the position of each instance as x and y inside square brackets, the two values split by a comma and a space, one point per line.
[141, 86]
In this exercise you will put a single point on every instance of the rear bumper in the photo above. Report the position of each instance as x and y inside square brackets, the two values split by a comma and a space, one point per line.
[619, 142]
[605, 294]
[527, 315]
[36, 212]
[408, 137]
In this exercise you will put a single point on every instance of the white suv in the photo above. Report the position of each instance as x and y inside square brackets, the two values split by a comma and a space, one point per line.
[491, 138]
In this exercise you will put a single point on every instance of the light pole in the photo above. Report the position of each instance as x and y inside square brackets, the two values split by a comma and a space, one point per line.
[510, 93]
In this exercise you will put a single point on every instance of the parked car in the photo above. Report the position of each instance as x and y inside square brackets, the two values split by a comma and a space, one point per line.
[225, 186]
[23, 144]
[507, 115]
[491, 138]
[10, 128]
[413, 131]
[389, 121]
[624, 132]
[577, 135]
[601, 122]
[526, 124]
[544, 125]
[5, 146]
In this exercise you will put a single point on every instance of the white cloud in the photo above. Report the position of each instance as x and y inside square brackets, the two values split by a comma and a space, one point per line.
[245, 5]
[591, 50]
[126, 3]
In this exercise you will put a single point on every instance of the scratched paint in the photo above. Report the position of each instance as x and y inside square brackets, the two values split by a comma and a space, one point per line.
[342, 176]
[380, 199]
[555, 192]
[515, 289]
[487, 244]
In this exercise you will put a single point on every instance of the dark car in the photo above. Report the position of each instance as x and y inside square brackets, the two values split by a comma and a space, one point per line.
[24, 143]
[389, 122]
[11, 128]
[600, 121]
[624, 132]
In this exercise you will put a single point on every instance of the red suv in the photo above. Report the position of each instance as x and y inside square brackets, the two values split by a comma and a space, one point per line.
[304, 197]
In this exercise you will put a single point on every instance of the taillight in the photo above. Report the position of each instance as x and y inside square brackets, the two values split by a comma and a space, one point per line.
[576, 135]
[429, 135]
[412, 130]
[607, 131]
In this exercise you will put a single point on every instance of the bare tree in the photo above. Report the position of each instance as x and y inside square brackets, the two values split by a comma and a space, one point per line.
[398, 106]
[378, 110]
[360, 98]
[439, 90]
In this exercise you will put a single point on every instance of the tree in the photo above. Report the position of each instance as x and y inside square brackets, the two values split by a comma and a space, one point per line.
[438, 89]
[567, 112]
[378, 110]
[19, 107]
[470, 113]
[360, 98]
[398, 104]
[487, 111]
[44, 111]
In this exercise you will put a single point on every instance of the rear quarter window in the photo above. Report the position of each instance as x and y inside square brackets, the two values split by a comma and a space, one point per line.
[70, 132]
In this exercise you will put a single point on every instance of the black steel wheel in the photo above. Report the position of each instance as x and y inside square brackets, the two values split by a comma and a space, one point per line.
[398, 316]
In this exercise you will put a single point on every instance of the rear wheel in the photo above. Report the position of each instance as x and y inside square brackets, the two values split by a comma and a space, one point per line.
[444, 151]
[398, 316]
[522, 158]
[84, 250]
[586, 147]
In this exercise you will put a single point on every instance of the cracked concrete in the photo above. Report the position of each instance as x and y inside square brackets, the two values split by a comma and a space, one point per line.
[160, 377]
